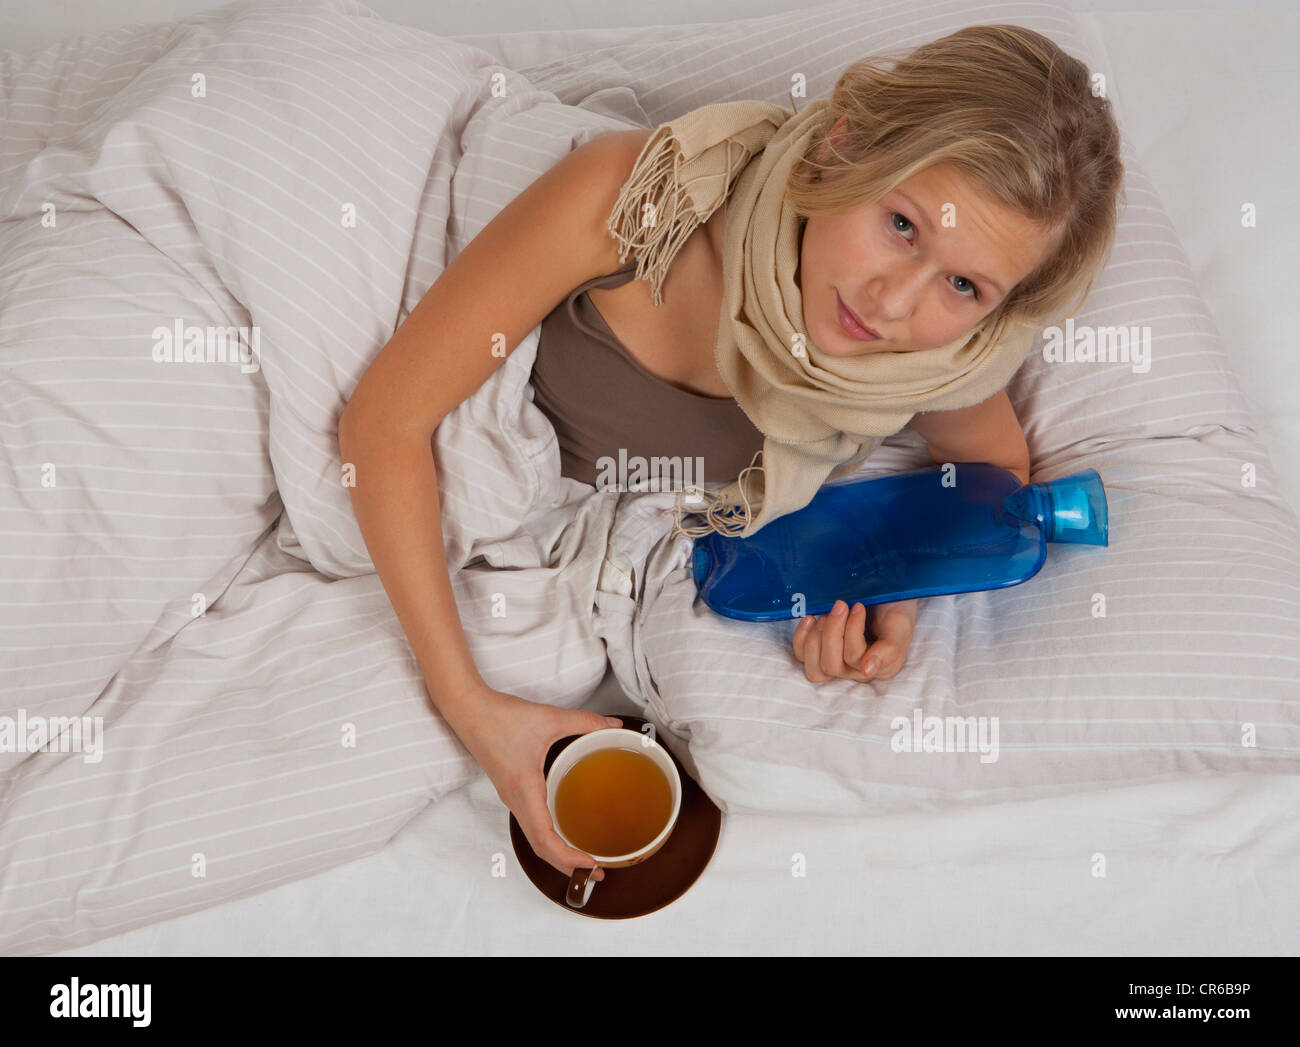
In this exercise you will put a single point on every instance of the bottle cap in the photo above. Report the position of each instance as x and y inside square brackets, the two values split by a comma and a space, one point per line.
[1077, 509]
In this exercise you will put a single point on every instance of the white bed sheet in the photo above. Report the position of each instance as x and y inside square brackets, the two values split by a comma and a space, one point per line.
[1000, 879]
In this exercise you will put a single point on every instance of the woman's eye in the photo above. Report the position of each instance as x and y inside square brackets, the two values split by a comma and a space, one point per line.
[974, 293]
[895, 218]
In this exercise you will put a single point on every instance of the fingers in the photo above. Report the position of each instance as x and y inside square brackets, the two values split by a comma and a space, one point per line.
[555, 852]
[832, 640]
[569, 859]
[832, 660]
[826, 645]
[855, 636]
[837, 644]
[893, 625]
[807, 643]
[807, 648]
[546, 843]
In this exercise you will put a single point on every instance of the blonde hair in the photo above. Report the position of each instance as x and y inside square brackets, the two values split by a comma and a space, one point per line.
[1011, 111]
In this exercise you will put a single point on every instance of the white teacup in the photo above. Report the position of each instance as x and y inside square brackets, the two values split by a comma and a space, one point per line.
[580, 883]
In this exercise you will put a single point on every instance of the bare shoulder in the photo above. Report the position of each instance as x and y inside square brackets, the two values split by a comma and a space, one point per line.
[612, 158]
[615, 153]
[633, 140]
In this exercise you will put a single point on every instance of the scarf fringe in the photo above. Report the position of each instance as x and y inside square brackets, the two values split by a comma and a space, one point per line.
[656, 244]
[724, 517]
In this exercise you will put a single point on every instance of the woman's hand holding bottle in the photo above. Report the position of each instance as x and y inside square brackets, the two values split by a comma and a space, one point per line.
[836, 645]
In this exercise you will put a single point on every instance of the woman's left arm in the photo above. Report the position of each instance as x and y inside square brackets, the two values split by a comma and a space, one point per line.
[837, 644]
[986, 432]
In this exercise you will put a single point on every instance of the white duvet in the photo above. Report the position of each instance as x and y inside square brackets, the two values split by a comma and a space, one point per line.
[182, 567]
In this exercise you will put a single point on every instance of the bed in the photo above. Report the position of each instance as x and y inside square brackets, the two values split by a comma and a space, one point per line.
[1123, 733]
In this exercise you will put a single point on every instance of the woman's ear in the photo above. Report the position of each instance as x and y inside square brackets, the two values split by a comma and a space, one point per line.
[823, 154]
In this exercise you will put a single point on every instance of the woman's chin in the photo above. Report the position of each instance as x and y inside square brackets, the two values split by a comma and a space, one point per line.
[841, 345]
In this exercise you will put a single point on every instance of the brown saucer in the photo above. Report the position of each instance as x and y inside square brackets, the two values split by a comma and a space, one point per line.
[638, 889]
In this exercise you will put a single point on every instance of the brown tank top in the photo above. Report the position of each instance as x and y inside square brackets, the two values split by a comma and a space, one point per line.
[600, 399]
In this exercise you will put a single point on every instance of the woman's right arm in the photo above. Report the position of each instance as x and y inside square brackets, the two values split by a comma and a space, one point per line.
[544, 243]
[548, 240]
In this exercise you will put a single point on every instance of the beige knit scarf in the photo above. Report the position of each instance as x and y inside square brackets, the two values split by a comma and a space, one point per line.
[821, 416]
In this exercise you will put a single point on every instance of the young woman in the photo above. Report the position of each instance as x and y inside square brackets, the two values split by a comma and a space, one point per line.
[979, 177]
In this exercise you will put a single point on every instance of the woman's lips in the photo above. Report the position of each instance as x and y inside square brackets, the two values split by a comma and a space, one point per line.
[851, 325]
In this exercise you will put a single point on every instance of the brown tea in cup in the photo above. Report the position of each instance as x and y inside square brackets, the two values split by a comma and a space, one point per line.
[613, 802]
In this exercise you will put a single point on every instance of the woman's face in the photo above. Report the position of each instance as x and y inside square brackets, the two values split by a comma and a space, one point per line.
[915, 278]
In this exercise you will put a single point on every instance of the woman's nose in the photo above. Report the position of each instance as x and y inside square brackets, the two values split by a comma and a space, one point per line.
[894, 294]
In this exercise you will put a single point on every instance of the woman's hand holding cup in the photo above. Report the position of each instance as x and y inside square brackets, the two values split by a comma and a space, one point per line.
[510, 737]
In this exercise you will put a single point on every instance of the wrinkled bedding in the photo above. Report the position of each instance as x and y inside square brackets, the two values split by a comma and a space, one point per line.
[182, 564]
